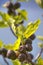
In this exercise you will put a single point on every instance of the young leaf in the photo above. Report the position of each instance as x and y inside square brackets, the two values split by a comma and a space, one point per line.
[1, 44]
[17, 44]
[31, 29]
[14, 46]
[40, 61]
[16, 62]
[23, 14]
[40, 3]
[40, 38]
[4, 16]
[8, 46]
[20, 30]
[18, 19]
[40, 45]
[26, 64]
[3, 24]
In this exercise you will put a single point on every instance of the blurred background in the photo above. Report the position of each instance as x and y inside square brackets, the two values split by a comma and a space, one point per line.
[34, 13]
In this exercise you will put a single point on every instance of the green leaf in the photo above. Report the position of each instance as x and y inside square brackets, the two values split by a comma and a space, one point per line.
[40, 61]
[3, 24]
[31, 28]
[18, 19]
[26, 64]
[40, 45]
[40, 38]
[8, 46]
[1, 44]
[16, 62]
[40, 3]
[17, 44]
[20, 30]
[4, 16]
[23, 14]
[14, 46]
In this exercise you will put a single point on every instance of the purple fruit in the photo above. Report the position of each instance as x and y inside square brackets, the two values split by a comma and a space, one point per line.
[32, 37]
[22, 57]
[11, 54]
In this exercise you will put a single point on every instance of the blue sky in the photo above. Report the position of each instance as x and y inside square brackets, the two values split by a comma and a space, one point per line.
[34, 13]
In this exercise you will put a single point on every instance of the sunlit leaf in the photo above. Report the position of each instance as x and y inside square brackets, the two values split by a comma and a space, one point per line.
[3, 24]
[1, 44]
[23, 14]
[26, 64]
[4, 16]
[20, 30]
[40, 45]
[40, 3]
[40, 61]
[18, 19]
[8, 46]
[31, 28]
[16, 62]
[17, 44]
[40, 38]
[14, 46]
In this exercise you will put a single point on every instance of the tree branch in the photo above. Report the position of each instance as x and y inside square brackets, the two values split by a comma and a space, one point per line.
[5, 60]
[13, 32]
[39, 54]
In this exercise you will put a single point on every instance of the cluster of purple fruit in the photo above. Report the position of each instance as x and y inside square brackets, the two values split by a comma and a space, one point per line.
[23, 53]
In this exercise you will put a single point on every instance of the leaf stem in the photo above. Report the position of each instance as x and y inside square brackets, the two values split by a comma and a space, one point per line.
[13, 32]
[38, 55]
[5, 60]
